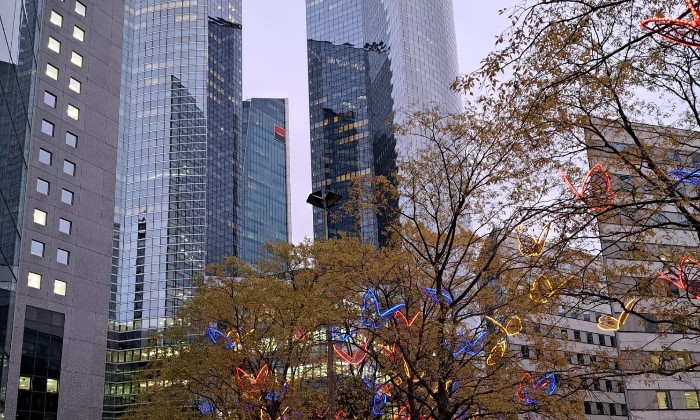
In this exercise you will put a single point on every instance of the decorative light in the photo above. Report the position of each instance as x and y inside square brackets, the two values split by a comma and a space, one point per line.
[274, 395]
[393, 353]
[367, 314]
[541, 289]
[513, 326]
[688, 277]
[471, 348]
[381, 394]
[339, 337]
[677, 30]
[433, 294]
[528, 245]
[595, 192]
[407, 323]
[299, 335]
[250, 383]
[205, 407]
[545, 385]
[610, 323]
[213, 333]
[355, 359]
[688, 176]
[496, 353]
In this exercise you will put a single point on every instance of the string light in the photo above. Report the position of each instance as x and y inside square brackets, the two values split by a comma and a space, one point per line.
[433, 294]
[213, 333]
[471, 348]
[355, 359]
[528, 245]
[688, 176]
[595, 190]
[374, 312]
[677, 30]
[248, 382]
[610, 323]
[496, 353]
[546, 384]
[513, 326]
[688, 277]
[407, 323]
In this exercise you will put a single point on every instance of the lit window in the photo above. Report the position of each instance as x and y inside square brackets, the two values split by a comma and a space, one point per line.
[66, 196]
[74, 85]
[47, 128]
[65, 226]
[42, 186]
[62, 256]
[54, 45]
[76, 59]
[51, 386]
[37, 248]
[34, 280]
[59, 288]
[69, 167]
[73, 112]
[663, 400]
[71, 139]
[40, 217]
[691, 400]
[78, 33]
[50, 99]
[25, 383]
[51, 71]
[56, 19]
[80, 8]
[45, 157]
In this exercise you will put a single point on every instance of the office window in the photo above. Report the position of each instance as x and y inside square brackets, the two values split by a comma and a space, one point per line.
[596, 385]
[71, 139]
[51, 386]
[587, 407]
[80, 8]
[66, 196]
[59, 287]
[34, 280]
[65, 226]
[599, 408]
[40, 217]
[525, 352]
[45, 157]
[589, 338]
[78, 33]
[42, 186]
[69, 167]
[37, 248]
[56, 19]
[50, 99]
[608, 385]
[612, 341]
[51, 71]
[47, 128]
[613, 410]
[73, 112]
[62, 256]
[691, 400]
[74, 85]
[76, 59]
[579, 359]
[623, 409]
[601, 339]
[54, 45]
[663, 400]
[25, 383]
[577, 335]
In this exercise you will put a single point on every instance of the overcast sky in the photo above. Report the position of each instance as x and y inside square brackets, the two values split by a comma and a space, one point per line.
[274, 65]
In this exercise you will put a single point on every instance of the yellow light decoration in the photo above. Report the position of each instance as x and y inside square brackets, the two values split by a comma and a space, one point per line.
[513, 326]
[496, 353]
[528, 245]
[541, 289]
[610, 323]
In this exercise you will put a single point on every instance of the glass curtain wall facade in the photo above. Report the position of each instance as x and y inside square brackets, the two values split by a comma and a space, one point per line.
[370, 61]
[174, 206]
[264, 192]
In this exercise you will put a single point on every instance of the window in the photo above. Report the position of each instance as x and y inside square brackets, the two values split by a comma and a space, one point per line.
[65, 226]
[51, 71]
[663, 400]
[51, 386]
[587, 407]
[596, 385]
[612, 341]
[34, 280]
[80, 8]
[45, 157]
[47, 128]
[71, 139]
[73, 112]
[613, 411]
[691, 400]
[589, 338]
[78, 33]
[564, 334]
[50, 99]
[579, 359]
[40, 217]
[42, 186]
[69, 167]
[54, 45]
[59, 287]
[577, 335]
[74, 85]
[66, 196]
[62, 256]
[601, 339]
[599, 408]
[623, 409]
[37, 248]
[608, 385]
[56, 19]
[586, 316]
[25, 383]
[525, 352]
[76, 59]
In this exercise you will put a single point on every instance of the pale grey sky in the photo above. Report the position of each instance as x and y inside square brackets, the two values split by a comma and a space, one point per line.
[274, 65]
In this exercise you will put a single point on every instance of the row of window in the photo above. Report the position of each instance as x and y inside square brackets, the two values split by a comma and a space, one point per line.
[25, 383]
[604, 409]
[34, 281]
[576, 335]
[62, 256]
[49, 129]
[46, 158]
[663, 400]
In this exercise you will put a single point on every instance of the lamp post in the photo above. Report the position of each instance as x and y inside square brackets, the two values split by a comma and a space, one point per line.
[324, 200]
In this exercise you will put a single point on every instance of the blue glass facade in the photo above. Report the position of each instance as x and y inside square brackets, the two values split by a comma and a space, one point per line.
[264, 188]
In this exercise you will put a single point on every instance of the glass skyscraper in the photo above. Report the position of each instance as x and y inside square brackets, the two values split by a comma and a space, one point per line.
[369, 62]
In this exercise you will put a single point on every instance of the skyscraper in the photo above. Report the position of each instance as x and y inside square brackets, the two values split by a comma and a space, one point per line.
[369, 62]
[59, 105]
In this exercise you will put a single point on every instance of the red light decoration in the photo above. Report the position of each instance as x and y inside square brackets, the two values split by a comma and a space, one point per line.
[392, 352]
[251, 383]
[355, 359]
[595, 191]
[528, 245]
[677, 30]
[405, 414]
[546, 385]
[407, 323]
[688, 277]
[299, 335]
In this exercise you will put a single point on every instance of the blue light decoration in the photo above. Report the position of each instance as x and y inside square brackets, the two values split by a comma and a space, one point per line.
[213, 333]
[205, 407]
[471, 348]
[339, 337]
[371, 316]
[454, 387]
[381, 394]
[275, 395]
[433, 294]
[545, 385]
[378, 403]
[688, 176]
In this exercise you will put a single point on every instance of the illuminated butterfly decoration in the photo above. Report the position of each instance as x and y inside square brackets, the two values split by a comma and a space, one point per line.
[471, 348]
[496, 353]
[406, 322]
[214, 333]
[300, 335]
[381, 394]
[339, 337]
[433, 294]
[205, 407]
[546, 385]
[528, 245]
[688, 277]
[251, 383]
[392, 352]
[405, 414]
[677, 30]
[610, 323]
[595, 191]
[541, 289]
[689, 177]
[275, 395]
[357, 358]
[371, 316]
[323, 413]
[512, 327]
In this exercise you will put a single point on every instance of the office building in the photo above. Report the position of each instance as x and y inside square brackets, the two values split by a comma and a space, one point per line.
[369, 63]
[59, 104]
